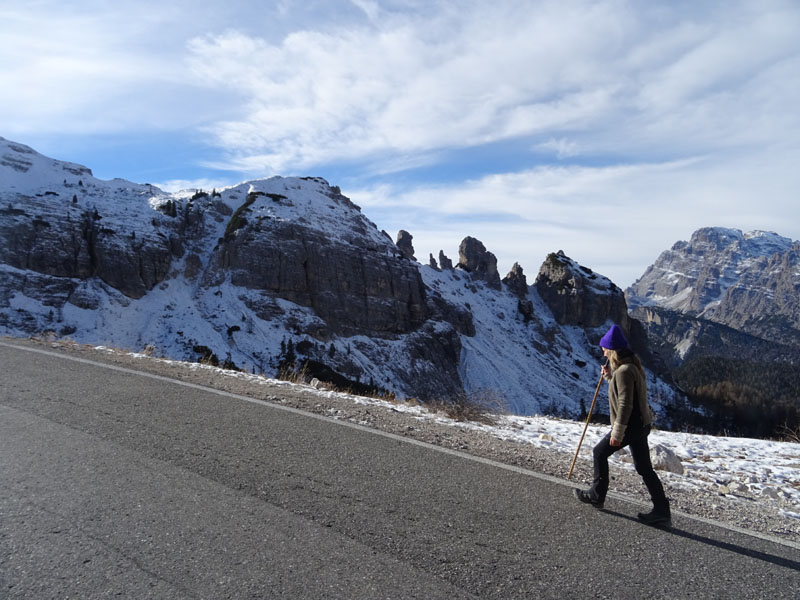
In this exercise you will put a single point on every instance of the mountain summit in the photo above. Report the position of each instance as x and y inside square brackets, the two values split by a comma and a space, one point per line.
[747, 281]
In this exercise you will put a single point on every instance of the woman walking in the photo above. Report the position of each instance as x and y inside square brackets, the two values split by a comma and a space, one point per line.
[631, 421]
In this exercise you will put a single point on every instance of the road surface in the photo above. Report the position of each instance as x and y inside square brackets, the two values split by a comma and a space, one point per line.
[120, 484]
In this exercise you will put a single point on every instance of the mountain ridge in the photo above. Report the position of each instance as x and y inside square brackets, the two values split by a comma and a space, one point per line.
[270, 271]
[287, 273]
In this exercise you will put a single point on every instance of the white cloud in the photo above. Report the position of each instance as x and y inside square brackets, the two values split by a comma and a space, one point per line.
[412, 85]
[293, 86]
[562, 147]
[609, 74]
[87, 69]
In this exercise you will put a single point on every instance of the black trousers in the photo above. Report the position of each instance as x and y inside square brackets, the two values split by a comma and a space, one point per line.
[640, 450]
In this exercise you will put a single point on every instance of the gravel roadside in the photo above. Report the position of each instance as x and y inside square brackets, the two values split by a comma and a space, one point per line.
[745, 513]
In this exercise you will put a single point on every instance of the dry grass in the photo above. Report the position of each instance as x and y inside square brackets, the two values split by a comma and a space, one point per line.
[294, 375]
[149, 350]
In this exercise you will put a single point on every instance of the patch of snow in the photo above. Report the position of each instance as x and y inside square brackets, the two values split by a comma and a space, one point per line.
[676, 301]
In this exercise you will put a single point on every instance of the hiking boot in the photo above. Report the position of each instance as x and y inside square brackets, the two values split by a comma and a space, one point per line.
[586, 498]
[656, 518]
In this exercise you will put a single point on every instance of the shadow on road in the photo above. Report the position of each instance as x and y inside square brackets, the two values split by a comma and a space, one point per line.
[749, 552]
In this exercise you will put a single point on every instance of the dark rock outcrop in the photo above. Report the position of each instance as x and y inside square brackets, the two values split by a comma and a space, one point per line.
[435, 352]
[474, 258]
[404, 244]
[65, 240]
[457, 316]
[578, 296]
[444, 262]
[516, 281]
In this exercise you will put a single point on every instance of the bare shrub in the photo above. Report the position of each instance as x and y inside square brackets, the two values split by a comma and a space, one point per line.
[480, 406]
[789, 434]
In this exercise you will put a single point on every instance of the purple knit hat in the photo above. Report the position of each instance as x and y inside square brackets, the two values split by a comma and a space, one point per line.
[614, 339]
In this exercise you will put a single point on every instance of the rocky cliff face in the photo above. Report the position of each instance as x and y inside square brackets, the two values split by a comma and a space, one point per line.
[354, 279]
[679, 338]
[765, 300]
[65, 228]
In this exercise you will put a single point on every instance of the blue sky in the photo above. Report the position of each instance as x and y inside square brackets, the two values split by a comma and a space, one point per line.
[608, 129]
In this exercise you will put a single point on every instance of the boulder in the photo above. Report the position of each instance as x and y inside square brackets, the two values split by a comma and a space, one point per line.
[664, 459]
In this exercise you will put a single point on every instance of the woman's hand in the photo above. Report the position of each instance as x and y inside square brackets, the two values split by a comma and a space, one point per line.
[606, 370]
[615, 443]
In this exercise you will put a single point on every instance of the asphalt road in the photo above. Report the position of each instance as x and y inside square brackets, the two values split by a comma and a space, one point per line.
[118, 484]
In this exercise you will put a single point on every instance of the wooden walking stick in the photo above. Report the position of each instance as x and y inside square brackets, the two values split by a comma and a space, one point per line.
[586, 426]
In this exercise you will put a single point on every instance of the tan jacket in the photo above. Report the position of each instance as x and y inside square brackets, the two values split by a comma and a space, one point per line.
[626, 388]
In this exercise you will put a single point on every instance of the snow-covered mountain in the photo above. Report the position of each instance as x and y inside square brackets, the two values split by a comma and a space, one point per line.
[693, 277]
[749, 282]
[265, 271]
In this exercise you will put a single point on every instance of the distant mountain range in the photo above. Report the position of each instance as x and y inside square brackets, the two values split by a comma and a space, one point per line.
[287, 273]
